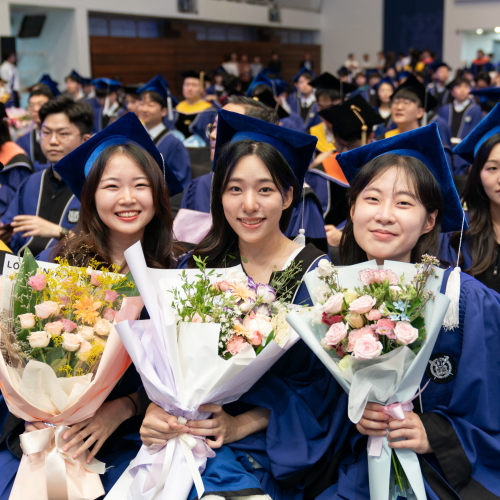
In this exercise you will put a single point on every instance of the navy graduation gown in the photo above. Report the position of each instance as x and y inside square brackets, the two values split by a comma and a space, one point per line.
[197, 197]
[460, 409]
[175, 155]
[293, 122]
[36, 196]
[312, 118]
[470, 119]
[18, 169]
[308, 419]
[31, 145]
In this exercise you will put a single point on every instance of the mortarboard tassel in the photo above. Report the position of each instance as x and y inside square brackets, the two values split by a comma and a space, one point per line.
[451, 320]
[364, 127]
[301, 237]
[169, 107]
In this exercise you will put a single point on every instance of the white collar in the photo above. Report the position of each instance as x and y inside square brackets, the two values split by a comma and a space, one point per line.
[460, 106]
[111, 110]
[156, 131]
[307, 102]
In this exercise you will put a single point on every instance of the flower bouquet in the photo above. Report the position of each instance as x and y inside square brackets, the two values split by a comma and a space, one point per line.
[61, 359]
[375, 329]
[210, 338]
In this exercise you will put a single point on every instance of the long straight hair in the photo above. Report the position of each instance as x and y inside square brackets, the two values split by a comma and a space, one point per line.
[480, 236]
[90, 238]
[222, 239]
[423, 186]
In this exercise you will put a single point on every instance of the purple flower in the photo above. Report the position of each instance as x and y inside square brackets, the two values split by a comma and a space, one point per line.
[266, 293]
[251, 284]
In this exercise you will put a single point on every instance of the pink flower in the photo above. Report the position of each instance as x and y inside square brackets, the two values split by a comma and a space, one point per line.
[331, 320]
[334, 303]
[46, 309]
[370, 276]
[224, 286]
[355, 335]
[197, 318]
[373, 315]
[54, 328]
[259, 327]
[109, 314]
[64, 300]
[405, 333]
[367, 347]
[68, 326]
[110, 295]
[95, 279]
[236, 344]
[336, 333]
[363, 304]
[385, 327]
[38, 282]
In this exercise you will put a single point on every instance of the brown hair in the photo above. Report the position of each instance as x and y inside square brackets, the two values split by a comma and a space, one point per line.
[90, 237]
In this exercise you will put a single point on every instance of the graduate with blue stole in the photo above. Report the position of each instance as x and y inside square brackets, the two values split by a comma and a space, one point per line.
[307, 216]
[269, 91]
[124, 186]
[269, 443]
[479, 253]
[402, 197]
[44, 209]
[106, 91]
[156, 102]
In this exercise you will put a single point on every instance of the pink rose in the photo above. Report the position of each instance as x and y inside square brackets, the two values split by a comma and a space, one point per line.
[334, 303]
[367, 347]
[363, 304]
[405, 333]
[109, 314]
[236, 344]
[355, 335]
[385, 327]
[38, 282]
[95, 279]
[110, 295]
[54, 328]
[373, 315]
[224, 286]
[259, 327]
[68, 326]
[331, 320]
[46, 309]
[336, 333]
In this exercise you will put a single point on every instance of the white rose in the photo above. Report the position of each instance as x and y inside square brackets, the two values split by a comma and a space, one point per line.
[321, 292]
[84, 351]
[27, 320]
[86, 332]
[71, 341]
[39, 339]
[325, 268]
[316, 314]
[102, 327]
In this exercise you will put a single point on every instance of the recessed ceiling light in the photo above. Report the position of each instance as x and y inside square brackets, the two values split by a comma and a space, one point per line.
[497, 29]
[479, 31]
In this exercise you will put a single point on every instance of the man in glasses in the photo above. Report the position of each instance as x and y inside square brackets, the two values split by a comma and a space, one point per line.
[44, 208]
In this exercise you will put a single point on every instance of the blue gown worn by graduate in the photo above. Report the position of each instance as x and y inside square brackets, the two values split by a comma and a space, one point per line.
[460, 409]
[197, 197]
[308, 424]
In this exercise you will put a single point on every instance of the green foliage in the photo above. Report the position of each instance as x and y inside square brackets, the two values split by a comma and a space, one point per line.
[24, 297]
[127, 287]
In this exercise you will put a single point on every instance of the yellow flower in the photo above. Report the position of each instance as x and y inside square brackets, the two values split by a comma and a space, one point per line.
[239, 329]
[86, 310]
[241, 291]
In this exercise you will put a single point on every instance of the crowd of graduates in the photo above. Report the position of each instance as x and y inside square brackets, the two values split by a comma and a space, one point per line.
[387, 105]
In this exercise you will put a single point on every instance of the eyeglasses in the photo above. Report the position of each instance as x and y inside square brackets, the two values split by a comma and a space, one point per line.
[209, 129]
[60, 136]
[400, 101]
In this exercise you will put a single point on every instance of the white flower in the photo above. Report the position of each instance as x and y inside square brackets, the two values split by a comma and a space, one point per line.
[321, 293]
[316, 314]
[39, 339]
[86, 332]
[84, 351]
[71, 341]
[325, 268]
[102, 327]
[27, 320]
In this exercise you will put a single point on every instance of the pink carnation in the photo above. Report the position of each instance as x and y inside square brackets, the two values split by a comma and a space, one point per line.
[355, 335]
[68, 326]
[370, 276]
[110, 295]
[236, 344]
[109, 314]
[385, 327]
[363, 304]
[38, 282]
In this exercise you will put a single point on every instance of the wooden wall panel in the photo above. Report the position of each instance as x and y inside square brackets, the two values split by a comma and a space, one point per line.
[135, 60]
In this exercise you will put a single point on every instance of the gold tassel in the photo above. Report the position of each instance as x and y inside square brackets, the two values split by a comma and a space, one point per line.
[364, 127]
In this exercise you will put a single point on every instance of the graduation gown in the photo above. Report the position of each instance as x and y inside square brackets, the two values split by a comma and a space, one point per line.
[38, 196]
[175, 156]
[293, 122]
[187, 113]
[312, 117]
[307, 426]
[17, 167]
[197, 197]
[31, 146]
[442, 97]
[459, 409]
[470, 119]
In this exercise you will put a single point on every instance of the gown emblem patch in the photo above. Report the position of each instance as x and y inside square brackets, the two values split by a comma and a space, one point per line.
[442, 368]
[73, 216]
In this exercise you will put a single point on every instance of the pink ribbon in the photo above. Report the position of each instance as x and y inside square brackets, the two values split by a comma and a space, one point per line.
[395, 410]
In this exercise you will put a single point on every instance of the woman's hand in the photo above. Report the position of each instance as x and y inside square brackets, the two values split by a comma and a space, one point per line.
[333, 235]
[34, 426]
[32, 225]
[159, 426]
[99, 427]
[413, 430]
[374, 421]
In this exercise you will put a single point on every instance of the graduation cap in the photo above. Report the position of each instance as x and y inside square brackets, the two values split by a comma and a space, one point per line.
[86, 81]
[402, 74]
[386, 79]
[200, 75]
[328, 81]
[487, 127]
[373, 71]
[488, 94]
[435, 65]
[132, 89]
[128, 129]
[303, 71]
[352, 117]
[159, 85]
[343, 71]
[277, 86]
[427, 100]
[296, 147]
[74, 76]
[266, 97]
[424, 144]
[106, 85]
[46, 80]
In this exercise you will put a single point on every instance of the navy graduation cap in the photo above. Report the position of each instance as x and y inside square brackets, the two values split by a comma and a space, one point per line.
[277, 86]
[386, 79]
[402, 74]
[412, 84]
[75, 167]
[46, 80]
[328, 81]
[159, 85]
[106, 84]
[488, 94]
[487, 127]
[303, 71]
[296, 147]
[75, 76]
[424, 144]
